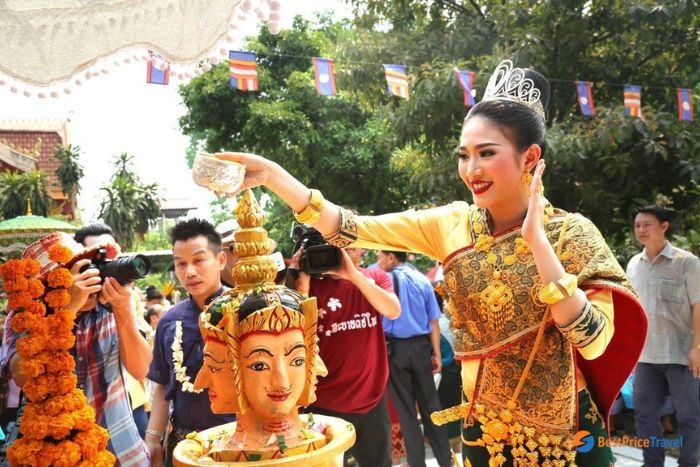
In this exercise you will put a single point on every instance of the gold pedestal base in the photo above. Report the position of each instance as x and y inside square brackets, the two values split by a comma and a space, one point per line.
[340, 436]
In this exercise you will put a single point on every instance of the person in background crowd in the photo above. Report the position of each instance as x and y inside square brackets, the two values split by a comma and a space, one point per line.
[413, 343]
[354, 389]
[153, 315]
[107, 340]
[667, 280]
[199, 260]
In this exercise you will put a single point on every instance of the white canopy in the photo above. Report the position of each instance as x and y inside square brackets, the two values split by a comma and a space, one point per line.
[43, 42]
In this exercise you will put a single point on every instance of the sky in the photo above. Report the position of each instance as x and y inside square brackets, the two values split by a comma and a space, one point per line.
[120, 112]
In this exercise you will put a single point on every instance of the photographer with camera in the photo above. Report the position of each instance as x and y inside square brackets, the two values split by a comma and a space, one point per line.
[106, 337]
[351, 303]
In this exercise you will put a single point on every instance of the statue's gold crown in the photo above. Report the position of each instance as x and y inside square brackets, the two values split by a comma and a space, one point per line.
[254, 268]
[508, 83]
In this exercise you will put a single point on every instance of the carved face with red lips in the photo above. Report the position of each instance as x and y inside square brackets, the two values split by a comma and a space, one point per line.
[274, 369]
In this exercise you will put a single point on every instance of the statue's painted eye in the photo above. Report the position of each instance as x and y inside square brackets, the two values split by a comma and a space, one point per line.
[299, 361]
[259, 366]
[214, 369]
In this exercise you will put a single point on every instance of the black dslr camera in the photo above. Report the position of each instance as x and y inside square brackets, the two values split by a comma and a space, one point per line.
[124, 270]
[319, 256]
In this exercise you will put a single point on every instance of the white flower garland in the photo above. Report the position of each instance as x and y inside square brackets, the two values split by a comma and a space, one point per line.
[181, 370]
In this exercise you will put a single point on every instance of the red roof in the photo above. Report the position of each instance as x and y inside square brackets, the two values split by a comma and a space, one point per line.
[27, 142]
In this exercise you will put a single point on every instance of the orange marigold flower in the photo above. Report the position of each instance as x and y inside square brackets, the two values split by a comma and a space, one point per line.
[83, 418]
[60, 254]
[61, 342]
[68, 454]
[49, 384]
[16, 285]
[36, 308]
[30, 345]
[35, 288]
[32, 267]
[105, 459]
[12, 270]
[25, 451]
[19, 300]
[62, 362]
[22, 322]
[60, 277]
[32, 367]
[57, 298]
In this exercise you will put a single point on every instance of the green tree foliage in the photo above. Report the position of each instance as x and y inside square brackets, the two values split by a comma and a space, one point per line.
[335, 144]
[17, 188]
[602, 166]
[69, 172]
[129, 206]
[377, 153]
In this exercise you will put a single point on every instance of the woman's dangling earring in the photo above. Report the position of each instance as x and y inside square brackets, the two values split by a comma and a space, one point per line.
[527, 181]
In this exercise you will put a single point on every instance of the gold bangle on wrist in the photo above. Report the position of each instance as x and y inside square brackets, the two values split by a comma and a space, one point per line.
[558, 290]
[312, 212]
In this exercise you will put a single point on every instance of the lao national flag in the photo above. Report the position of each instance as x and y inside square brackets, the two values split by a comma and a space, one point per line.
[685, 105]
[585, 98]
[466, 82]
[633, 100]
[324, 76]
[243, 71]
[396, 80]
[157, 69]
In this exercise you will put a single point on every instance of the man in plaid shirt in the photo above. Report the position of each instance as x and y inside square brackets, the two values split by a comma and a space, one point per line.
[668, 282]
[100, 352]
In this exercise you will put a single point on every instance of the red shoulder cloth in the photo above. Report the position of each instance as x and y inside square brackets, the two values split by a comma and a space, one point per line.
[606, 375]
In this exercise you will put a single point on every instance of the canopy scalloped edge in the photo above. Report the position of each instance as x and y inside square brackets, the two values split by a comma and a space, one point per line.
[46, 51]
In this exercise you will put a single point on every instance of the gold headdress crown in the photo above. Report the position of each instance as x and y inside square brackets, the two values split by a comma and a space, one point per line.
[508, 83]
[257, 304]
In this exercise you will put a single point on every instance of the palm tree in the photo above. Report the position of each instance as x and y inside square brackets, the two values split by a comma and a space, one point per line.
[12, 200]
[16, 188]
[129, 206]
[69, 172]
[35, 184]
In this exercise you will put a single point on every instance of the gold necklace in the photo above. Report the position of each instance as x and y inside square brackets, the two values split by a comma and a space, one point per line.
[496, 299]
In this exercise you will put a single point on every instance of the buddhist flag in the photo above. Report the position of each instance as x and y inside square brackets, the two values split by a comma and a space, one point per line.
[243, 71]
[324, 76]
[685, 105]
[466, 82]
[633, 100]
[157, 69]
[396, 80]
[585, 98]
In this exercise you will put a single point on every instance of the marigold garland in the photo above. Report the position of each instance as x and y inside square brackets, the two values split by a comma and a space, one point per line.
[58, 425]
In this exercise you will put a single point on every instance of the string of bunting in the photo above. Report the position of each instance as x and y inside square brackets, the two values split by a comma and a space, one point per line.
[244, 77]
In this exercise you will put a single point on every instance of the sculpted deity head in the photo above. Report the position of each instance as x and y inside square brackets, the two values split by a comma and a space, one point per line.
[261, 347]
[216, 373]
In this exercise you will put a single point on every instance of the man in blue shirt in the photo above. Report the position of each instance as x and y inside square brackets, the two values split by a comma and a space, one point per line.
[199, 260]
[413, 344]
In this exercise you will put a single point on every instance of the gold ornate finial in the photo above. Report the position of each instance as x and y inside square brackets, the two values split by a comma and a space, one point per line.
[36, 150]
[254, 267]
[29, 207]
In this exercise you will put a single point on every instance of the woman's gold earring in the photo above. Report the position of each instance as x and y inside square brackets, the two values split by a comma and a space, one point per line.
[527, 181]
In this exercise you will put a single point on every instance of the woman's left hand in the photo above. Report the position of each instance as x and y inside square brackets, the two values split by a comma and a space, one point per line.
[533, 225]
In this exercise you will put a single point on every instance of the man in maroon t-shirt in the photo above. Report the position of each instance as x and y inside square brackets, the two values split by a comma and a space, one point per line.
[351, 344]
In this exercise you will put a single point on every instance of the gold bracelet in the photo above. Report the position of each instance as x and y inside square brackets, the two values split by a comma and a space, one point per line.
[558, 290]
[312, 212]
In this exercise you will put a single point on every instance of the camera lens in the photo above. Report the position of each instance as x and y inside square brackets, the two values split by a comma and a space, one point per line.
[127, 269]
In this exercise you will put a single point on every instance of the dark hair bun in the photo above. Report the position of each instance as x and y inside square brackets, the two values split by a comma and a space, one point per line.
[541, 83]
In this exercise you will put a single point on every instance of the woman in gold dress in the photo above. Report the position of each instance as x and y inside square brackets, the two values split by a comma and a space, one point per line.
[546, 325]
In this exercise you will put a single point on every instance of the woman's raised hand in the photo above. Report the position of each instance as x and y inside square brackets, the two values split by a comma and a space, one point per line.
[533, 225]
[257, 169]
